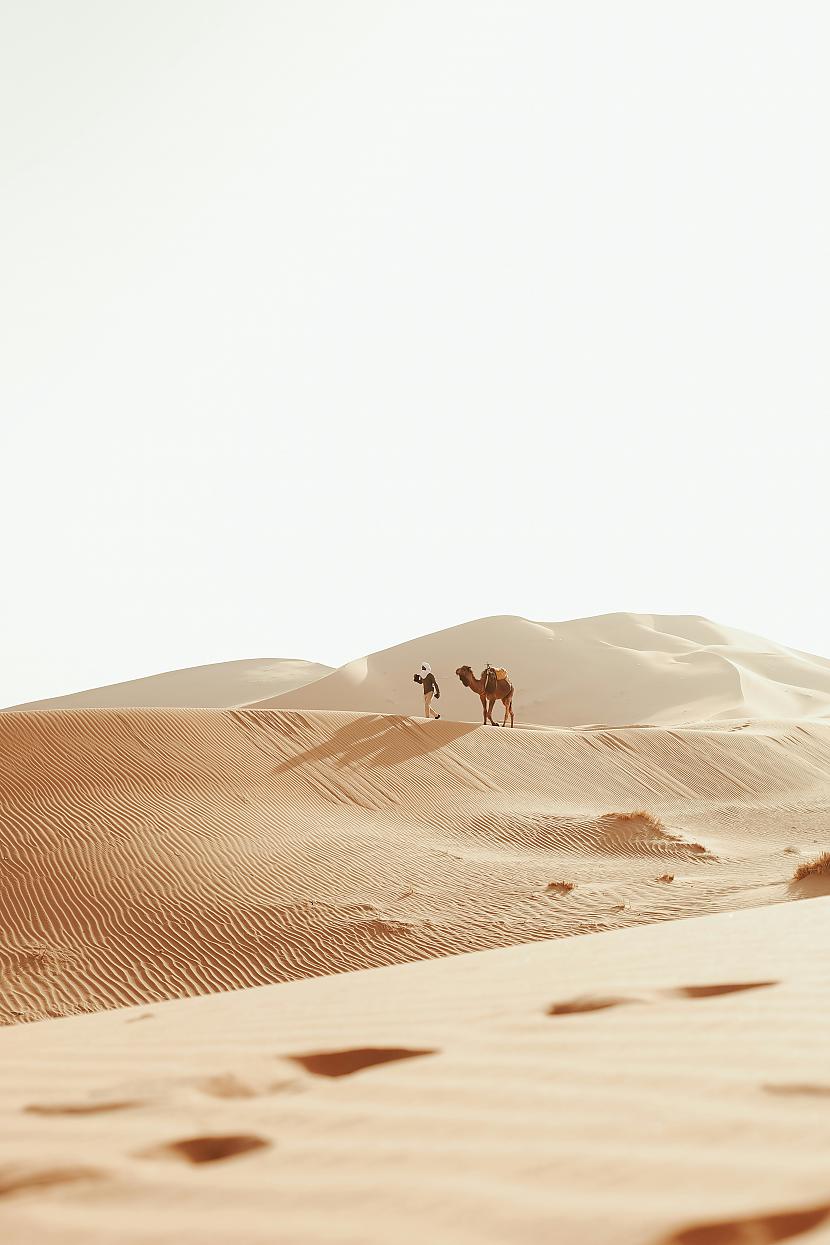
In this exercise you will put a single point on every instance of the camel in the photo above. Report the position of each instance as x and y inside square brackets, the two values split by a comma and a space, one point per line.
[492, 686]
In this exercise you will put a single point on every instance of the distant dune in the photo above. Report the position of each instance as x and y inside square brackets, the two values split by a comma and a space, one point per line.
[219, 686]
[153, 853]
[616, 669]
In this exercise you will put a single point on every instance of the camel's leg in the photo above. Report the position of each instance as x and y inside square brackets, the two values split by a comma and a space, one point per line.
[484, 709]
[490, 704]
[507, 710]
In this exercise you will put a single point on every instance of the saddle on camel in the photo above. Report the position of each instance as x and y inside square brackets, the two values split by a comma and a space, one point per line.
[492, 685]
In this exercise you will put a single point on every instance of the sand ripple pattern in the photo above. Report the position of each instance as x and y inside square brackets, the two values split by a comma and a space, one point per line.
[147, 854]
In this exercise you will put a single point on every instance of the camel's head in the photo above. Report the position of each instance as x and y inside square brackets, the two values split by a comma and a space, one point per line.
[465, 673]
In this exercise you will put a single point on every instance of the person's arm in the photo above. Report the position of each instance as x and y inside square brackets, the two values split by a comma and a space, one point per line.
[437, 688]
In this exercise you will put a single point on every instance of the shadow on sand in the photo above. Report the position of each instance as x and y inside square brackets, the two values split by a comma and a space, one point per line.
[380, 741]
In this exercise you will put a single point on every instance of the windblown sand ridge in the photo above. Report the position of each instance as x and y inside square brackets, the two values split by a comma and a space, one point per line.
[149, 854]
[616, 669]
[656, 1086]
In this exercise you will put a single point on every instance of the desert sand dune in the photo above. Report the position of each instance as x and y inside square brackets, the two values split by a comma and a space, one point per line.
[150, 854]
[220, 686]
[616, 669]
[657, 1086]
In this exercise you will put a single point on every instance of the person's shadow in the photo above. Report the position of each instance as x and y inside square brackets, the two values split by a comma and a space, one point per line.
[380, 741]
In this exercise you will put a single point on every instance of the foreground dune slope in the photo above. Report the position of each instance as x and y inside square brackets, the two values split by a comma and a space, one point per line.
[219, 686]
[150, 854]
[667, 1084]
[616, 669]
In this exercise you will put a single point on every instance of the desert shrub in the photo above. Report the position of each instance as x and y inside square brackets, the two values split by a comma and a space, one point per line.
[641, 816]
[818, 868]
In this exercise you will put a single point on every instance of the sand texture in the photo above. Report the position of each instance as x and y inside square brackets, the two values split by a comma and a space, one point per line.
[220, 686]
[150, 854]
[259, 902]
[667, 1085]
[617, 669]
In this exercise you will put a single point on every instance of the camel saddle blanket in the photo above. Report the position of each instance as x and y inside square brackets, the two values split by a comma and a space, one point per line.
[492, 677]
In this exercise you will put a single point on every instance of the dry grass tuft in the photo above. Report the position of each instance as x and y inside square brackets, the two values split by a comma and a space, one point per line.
[561, 888]
[818, 868]
[666, 877]
[640, 816]
[641, 819]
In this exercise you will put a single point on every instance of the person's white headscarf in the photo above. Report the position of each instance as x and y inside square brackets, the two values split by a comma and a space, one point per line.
[426, 669]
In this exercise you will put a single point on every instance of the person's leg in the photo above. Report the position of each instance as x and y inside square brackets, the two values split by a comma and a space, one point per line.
[427, 699]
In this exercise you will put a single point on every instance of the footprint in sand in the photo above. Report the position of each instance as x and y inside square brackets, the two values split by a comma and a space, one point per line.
[80, 1108]
[600, 1003]
[346, 1062]
[25, 1179]
[706, 992]
[207, 1149]
[754, 1230]
[228, 1085]
[257, 1083]
[805, 1090]
[590, 1003]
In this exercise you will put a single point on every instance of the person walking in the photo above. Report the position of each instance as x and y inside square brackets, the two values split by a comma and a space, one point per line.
[429, 683]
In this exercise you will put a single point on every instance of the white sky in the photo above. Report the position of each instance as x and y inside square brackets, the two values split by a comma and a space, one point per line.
[324, 325]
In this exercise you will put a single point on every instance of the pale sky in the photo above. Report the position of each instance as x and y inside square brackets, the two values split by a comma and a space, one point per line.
[325, 325]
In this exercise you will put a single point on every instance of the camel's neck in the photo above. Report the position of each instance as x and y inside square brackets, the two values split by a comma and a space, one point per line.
[475, 685]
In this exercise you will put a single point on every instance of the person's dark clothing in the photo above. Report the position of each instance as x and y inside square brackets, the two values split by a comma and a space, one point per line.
[429, 684]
